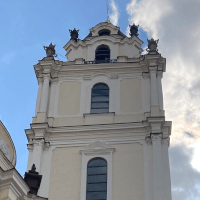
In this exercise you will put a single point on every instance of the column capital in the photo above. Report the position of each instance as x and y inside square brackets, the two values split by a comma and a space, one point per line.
[38, 142]
[46, 75]
[160, 74]
[148, 140]
[153, 68]
[145, 75]
[166, 141]
[54, 80]
[40, 80]
[156, 137]
[30, 147]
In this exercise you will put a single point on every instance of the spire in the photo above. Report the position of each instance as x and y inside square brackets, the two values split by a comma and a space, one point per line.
[108, 17]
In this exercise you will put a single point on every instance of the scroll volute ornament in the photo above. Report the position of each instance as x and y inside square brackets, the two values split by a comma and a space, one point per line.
[152, 46]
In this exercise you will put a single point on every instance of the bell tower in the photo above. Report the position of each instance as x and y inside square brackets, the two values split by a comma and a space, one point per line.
[99, 130]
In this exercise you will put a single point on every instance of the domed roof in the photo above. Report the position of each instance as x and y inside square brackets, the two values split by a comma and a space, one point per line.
[6, 144]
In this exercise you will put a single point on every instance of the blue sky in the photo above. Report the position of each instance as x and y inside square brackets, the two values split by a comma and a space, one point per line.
[28, 25]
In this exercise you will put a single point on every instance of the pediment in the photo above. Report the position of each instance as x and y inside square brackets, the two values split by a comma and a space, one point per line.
[104, 25]
[97, 147]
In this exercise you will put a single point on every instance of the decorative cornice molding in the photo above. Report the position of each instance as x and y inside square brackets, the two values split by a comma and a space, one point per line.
[97, 147]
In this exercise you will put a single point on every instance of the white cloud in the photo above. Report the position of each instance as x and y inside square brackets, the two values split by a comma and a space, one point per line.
[115, 13]
[176, 24]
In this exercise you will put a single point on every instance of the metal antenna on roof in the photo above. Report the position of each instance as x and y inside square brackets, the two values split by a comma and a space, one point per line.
[108, 18]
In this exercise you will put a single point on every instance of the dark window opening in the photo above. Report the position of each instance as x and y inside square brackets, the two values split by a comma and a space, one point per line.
[104, 32]
[102, 53]
[100, 98]
[96, 180]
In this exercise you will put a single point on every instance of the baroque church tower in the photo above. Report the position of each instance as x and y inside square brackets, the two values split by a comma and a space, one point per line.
[99, 130]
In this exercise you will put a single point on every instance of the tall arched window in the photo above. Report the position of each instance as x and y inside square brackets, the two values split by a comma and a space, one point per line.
[102, 53]
[96, 179]
[100, 98]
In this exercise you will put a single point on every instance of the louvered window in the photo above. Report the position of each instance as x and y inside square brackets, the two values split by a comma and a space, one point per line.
[102, 53]
[96, 179]
[100, 98]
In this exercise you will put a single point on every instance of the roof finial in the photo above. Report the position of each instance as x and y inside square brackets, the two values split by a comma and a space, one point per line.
[108, 18]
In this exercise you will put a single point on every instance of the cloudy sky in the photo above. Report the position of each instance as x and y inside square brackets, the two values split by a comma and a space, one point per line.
[28, 25]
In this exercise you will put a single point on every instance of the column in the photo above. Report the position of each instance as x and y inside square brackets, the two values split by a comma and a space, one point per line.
[37, 152]
[40, 80]
[166, 169]
[158, 187]
[154, 90]
[160, 93]
[52, 97]
[45, 93]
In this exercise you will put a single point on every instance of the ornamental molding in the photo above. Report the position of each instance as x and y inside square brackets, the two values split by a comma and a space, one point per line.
[156, 137]
[97, 147]
[153, 69]
[4, 147]
[30, 147]
[160, 74]
[40, 80]
[54, 80]
[46, 75]
[38, 142]
[145, 75]
[166, 141]
[148, 140]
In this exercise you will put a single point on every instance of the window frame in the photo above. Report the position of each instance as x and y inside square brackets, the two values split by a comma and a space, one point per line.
[97, 174]
[96, 150]
[102, 101]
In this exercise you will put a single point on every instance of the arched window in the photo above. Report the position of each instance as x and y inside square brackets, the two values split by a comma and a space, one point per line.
[102, 53]
[96, 179]
[100, 98]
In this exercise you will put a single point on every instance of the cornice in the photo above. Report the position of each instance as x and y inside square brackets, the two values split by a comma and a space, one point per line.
[16, 182]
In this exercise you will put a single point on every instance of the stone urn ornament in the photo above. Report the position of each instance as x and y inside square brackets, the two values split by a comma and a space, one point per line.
[50, 50]
[133, 30]
[74, 34]
[152, 46]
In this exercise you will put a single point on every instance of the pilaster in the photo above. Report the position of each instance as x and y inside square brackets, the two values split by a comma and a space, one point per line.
[157, 167]
[160, 93]
[52, 96]
[39, 145]
[40, 82]
[41, 116]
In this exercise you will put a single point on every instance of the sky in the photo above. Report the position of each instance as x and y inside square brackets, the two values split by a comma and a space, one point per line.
[26, 26]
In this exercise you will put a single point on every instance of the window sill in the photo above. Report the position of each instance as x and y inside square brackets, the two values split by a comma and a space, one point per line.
[98, 114]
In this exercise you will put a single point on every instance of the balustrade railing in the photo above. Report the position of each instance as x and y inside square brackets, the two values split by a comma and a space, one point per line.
[101, 61]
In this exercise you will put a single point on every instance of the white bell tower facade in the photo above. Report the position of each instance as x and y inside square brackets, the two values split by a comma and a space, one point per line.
[99, 130]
